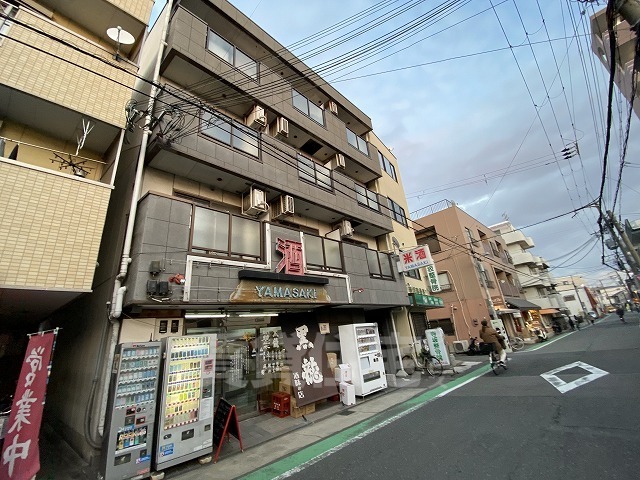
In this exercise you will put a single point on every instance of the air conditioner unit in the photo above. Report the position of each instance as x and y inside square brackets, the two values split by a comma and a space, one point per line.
[257, 117]
[461, 346]
[332, 107]
[337, 161]
[282, 127]
[346, 230]
[283, 206]
[254, 202]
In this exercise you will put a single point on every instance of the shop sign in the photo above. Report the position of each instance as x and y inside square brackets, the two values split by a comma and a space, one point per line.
[432, 275]
[20, 453]
[311, 376]
[498, 302]
[255, 291]
[291, 261]
[415, 258]
[427, 300]
[437, 345]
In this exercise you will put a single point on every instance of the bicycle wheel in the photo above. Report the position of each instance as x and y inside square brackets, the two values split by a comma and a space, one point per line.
[408, 364]
[494, 364]
[434, 367]
[517, 343]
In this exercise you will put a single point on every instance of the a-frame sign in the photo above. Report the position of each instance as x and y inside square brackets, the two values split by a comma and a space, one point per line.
[225, 423]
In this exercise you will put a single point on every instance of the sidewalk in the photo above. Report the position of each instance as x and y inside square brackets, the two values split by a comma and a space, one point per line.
[260, 434]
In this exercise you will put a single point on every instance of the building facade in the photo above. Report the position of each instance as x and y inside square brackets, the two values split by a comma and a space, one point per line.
[476, 275]
[254, 200]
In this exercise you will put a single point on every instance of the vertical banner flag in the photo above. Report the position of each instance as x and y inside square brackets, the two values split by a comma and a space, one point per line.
[20, 453]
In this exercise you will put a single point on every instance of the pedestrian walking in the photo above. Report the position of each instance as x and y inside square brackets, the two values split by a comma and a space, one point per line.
[572, 323]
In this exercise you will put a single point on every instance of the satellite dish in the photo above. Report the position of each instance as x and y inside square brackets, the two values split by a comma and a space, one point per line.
[121, 37]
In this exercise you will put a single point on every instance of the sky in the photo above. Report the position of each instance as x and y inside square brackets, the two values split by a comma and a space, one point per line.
[477, 102]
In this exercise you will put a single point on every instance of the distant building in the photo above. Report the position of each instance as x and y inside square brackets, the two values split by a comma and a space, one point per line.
[625, 52]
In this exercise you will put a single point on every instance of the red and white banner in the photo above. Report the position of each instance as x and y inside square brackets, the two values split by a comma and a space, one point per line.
[20, 452]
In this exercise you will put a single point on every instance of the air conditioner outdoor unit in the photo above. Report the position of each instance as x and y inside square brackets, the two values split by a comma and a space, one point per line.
[282, 127]
[346, 230]
[461, 346]
[332, 107]
[337, 161]
[283, 206]
[254, 202]
[256, 118]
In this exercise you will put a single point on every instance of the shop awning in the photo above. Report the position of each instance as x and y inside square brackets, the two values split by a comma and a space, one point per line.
[521, 303]
[549, 311]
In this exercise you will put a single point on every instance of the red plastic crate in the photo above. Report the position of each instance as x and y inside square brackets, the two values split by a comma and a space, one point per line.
[281, 404]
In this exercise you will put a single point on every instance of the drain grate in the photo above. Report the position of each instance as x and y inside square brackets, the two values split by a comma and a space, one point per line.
[346, 412]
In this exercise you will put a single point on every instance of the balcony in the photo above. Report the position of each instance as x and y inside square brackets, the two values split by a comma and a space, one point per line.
[509, 290]
[188, 63]
[524, 258]
[52, 224]
[517, 238]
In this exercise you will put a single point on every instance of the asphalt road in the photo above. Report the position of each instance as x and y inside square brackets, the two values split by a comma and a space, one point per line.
[517, 425]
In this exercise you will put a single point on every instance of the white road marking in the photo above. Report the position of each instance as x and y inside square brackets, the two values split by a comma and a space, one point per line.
[563, 386]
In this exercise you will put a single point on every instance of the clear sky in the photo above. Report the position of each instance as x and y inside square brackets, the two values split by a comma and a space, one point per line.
[478, 99]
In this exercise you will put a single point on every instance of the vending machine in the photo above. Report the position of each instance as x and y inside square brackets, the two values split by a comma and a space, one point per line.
[360, 348]
[128, 440]
[185, 416]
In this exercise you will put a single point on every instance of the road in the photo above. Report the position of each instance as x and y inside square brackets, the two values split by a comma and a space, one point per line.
[517, 425]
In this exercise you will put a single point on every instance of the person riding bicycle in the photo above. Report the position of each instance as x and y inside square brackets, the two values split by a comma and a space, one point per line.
[490, 335]
[620, 312]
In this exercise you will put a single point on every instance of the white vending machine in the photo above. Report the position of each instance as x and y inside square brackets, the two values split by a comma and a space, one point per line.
[360, 348]
[185, 420]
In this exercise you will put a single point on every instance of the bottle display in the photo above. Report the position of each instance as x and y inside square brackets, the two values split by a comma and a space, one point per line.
[360, 348]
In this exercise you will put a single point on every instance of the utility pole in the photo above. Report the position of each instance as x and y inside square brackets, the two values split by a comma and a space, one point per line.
[629, 10]
[622, 240]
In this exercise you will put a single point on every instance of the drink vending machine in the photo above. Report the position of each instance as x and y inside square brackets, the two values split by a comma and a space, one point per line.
[132, 405]
[185, 419]
[360, 348]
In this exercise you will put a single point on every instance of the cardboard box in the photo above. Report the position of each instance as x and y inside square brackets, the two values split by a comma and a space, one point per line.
[343, 373]
[332, 360]
[297, 412]
[286, 388]
[310, 408]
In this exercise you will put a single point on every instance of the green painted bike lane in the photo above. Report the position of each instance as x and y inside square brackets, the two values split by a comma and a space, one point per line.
[321, 449]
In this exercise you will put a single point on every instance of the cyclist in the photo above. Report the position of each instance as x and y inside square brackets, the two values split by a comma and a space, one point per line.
[490, 335]
[620, 312]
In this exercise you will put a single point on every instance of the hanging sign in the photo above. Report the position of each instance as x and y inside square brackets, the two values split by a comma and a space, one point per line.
[21, 453]
[415, 258]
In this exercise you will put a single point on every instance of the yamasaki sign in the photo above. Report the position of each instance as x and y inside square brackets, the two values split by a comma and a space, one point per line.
[252, 291]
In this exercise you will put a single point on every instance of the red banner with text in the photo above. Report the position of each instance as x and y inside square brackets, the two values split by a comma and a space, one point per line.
[20, 452]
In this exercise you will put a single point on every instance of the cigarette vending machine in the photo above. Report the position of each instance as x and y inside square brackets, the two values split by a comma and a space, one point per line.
[185, 417]
[132, 405]
[360, 348]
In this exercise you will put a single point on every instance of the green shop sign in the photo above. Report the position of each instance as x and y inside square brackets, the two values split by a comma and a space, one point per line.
[426, 300]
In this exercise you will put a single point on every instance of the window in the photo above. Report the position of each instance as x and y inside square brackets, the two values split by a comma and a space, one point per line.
[231, 54]
[357, 142]
[444, 281]
[306, 106]
[413, 274]
[569, 298]
[367, 197]
[470, 236]
[429, 237]
[444, 323]
[323, 253]
[397, 213]
[315, 173]
[223, 234]
[387, 166]
[225, 130]
[379, 264]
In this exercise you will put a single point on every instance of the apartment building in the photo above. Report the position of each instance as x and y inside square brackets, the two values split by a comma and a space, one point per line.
[537, 282]
[253, 200]
[64, 86]
[476, 275]
[625, 41]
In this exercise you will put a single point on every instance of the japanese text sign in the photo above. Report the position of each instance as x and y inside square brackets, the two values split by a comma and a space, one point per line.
[20, 453]
[291, 261]
[432, 276]
[415, 258]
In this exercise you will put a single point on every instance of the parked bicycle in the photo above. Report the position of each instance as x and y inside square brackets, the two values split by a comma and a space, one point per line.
[517, 343]
[422, 360]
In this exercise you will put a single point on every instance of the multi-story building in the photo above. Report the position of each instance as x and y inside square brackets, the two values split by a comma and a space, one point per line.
[625, 41]
[575, 295]
[538, 285]
[476, 275]
[67, 75]
[253, 199]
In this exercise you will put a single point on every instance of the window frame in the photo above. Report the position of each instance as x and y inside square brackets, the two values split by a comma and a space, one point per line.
[324, 267]
[380, 275]
[363, 192]
[307, 111]
[237, 133]
[234, 56]
[230, 252]
[301, 159]
[399, 216]
[387, 166]
[358, 139]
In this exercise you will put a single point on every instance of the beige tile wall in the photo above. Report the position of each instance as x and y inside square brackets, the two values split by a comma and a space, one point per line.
[62, 75]
[51, 228]
[140, 9]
